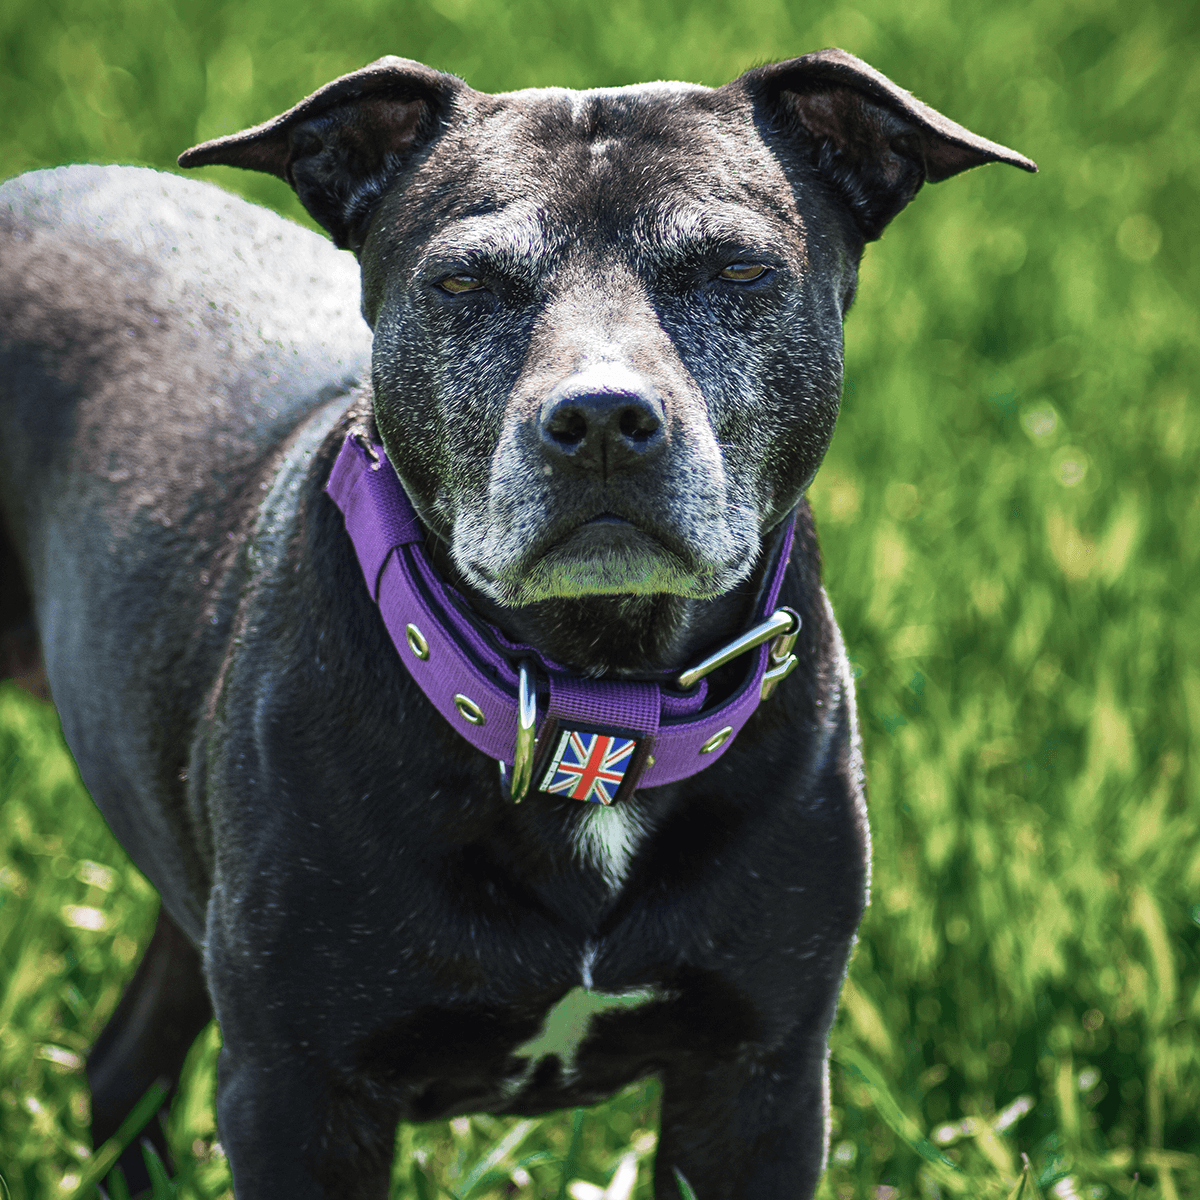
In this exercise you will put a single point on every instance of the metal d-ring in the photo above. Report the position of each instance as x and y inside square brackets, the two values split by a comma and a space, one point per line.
[522, 771]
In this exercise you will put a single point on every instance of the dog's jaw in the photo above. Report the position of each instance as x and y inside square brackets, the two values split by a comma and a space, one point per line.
[604, 561]
[535, 535]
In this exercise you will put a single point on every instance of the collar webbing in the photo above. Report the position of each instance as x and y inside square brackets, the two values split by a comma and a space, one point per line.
[471, 673]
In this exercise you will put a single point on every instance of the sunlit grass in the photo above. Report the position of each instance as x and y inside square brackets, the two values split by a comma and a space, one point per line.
[1011, 526]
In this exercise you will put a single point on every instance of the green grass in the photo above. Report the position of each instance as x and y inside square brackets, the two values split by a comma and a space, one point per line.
[1011, 525]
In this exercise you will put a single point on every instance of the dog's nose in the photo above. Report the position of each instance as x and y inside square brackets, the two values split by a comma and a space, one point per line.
[604, 422]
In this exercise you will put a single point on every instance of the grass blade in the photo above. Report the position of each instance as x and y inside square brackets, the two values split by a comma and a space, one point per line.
[501, 1150]
[1026, 1186]
[944, 1169]
[1018, 1192]
[161, 1187]
[425, 1188]
[103, 1159]
[118, 1186]
[568, 1169]
[685, 1188]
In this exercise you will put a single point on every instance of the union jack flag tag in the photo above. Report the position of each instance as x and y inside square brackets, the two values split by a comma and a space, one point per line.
[590, 766]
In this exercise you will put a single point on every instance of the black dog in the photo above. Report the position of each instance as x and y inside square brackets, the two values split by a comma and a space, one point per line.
[606, 365]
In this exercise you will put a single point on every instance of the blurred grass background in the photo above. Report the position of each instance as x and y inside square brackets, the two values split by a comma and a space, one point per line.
[1011, 523]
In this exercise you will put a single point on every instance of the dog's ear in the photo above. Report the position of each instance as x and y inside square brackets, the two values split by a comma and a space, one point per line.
[874, 141]
[341, 146]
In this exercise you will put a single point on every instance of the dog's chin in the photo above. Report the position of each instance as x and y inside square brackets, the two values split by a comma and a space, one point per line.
[605, 558]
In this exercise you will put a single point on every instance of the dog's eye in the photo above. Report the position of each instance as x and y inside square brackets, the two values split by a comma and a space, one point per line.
[456, 284]
[744, 272]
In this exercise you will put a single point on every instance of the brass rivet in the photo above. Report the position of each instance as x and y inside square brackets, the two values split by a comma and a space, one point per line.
[469, 710]
[649, 761]
[718, 739]
[416, 642]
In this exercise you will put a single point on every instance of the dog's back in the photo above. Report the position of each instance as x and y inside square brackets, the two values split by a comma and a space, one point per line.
[141, 394]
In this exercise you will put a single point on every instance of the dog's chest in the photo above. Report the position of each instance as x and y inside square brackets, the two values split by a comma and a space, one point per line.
[555, 1055]
[588, 1017]
[607, 839]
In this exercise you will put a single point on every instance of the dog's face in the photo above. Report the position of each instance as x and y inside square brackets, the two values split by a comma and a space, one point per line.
[607, 348]
[607, 324]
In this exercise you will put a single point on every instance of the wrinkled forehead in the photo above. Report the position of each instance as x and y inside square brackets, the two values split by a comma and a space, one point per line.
[663, 169]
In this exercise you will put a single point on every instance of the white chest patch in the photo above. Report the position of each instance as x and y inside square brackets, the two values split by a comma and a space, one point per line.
[608, 838]
[567, 1025]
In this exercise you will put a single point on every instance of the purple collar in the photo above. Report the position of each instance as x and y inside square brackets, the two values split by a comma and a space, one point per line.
[551, 730]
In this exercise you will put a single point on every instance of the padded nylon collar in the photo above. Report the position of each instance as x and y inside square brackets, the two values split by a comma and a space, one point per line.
[471, 672]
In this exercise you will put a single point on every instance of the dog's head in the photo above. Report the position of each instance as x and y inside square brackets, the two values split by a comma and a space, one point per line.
[608, 323]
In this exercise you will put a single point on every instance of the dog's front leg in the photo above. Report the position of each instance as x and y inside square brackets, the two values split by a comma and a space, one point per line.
[291, 1133]
[750, 1129]
[294, 1118]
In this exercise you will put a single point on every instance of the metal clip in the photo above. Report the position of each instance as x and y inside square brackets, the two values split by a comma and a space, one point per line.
[522, 771]
[783, 661]
[783, 621]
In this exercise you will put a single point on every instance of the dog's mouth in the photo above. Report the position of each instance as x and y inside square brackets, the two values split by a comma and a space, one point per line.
[604, 554]
[609, 554]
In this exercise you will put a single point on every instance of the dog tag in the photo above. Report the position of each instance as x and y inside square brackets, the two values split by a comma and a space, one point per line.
[590, 766]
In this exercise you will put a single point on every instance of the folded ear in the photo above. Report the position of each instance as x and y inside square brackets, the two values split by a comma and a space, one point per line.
[874, 141]
[342, 146]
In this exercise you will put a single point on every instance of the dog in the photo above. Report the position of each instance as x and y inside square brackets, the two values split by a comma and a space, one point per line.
[465, 677]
